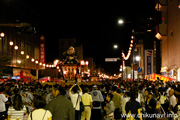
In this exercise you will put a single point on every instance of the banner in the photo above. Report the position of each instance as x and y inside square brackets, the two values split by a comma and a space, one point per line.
[148, 62]
[42, 52]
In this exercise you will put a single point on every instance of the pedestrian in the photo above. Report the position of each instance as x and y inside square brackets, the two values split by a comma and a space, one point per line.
[133, 107]
[17, 110]
[117, 100]
[151, 106]
[109, 108]
[97, 100]
[3, 100]
[87, 101]
[76, 99]
[61, 108]
[124, 101]
[53, 94]
[39, 113]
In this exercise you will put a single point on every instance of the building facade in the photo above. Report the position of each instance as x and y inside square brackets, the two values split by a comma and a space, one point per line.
[21, 43]
[167, 31]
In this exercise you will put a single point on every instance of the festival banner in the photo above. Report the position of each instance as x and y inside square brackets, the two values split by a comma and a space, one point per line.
[42, 52]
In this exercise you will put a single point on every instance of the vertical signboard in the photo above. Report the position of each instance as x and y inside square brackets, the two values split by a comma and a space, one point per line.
[42, 52]
[148, 62]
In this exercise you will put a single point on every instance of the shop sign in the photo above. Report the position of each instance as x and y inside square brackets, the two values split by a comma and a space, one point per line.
[148, 62]
[163, 78]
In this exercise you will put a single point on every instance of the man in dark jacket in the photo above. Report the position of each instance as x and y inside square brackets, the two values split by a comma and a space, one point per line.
[151, 106]
[60, 107]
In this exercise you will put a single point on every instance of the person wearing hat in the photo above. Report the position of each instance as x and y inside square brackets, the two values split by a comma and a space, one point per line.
[97, 100]
[150, 105]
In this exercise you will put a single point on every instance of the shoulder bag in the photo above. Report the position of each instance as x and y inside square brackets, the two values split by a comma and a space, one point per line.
[81, 104]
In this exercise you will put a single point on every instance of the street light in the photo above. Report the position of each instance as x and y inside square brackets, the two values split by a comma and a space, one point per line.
[120, 21]
[138, 58]
[115, 46]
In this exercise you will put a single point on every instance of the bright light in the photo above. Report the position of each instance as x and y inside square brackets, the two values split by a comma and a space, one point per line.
[115, 46]
[138, 58]
[86, 63]
[36, 61]
[132, 37]
[27, 56]
[32, 59]
[19, 61]
[22, 52]
[120, 21]
[56, 62]
[131, 41]
[2, 34]
[57, 67]
[15, 47]
[82, 62]
[11, 43]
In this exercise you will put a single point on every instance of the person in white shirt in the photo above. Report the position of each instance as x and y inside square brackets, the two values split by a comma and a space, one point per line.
[76, 99]
[124, 101]
[87, 101]
[172, 99]
[3, 99]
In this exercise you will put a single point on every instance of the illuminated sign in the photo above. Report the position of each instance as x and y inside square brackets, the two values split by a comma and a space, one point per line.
[42, 52]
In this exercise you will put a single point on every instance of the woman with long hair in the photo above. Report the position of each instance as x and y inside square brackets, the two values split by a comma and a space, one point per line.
[17, 109]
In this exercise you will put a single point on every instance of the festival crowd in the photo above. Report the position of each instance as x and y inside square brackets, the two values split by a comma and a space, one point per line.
[112, 100]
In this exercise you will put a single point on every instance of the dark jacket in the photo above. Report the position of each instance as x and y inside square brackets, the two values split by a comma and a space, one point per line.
[61, 108]
[152, 104]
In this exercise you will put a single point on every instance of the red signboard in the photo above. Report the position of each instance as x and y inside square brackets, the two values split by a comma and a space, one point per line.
[42, 52]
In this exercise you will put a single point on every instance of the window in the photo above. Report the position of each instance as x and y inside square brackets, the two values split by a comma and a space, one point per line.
[171, 33]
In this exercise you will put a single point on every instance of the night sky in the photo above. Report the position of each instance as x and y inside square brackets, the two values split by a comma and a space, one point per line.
[92, 24]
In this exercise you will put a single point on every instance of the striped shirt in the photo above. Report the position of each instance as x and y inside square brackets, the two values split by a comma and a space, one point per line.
[14, 114]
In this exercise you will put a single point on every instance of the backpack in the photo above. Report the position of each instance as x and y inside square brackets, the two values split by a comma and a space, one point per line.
[162, 99]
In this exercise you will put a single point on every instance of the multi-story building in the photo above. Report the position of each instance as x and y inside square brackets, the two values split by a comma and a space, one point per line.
[167, 31]
[147, 48]
[21, 43]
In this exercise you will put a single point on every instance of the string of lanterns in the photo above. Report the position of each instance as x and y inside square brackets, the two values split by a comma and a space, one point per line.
[36, 61]
[129, 51]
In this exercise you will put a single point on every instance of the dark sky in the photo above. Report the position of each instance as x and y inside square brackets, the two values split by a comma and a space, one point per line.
[92, 23]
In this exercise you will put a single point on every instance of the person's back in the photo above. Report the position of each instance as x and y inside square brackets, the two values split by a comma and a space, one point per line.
[87, 101]
[97, 99]
[61, 108]
[117, 103]
[116, 99]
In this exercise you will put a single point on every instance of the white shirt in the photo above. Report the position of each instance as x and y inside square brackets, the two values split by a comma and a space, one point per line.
[14, 114]
[124, 101]
[172, 100]
[74, 100]
[38, 114]
[3, 99]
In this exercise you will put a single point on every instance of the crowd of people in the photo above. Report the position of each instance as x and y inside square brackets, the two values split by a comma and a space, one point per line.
[113, 100]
